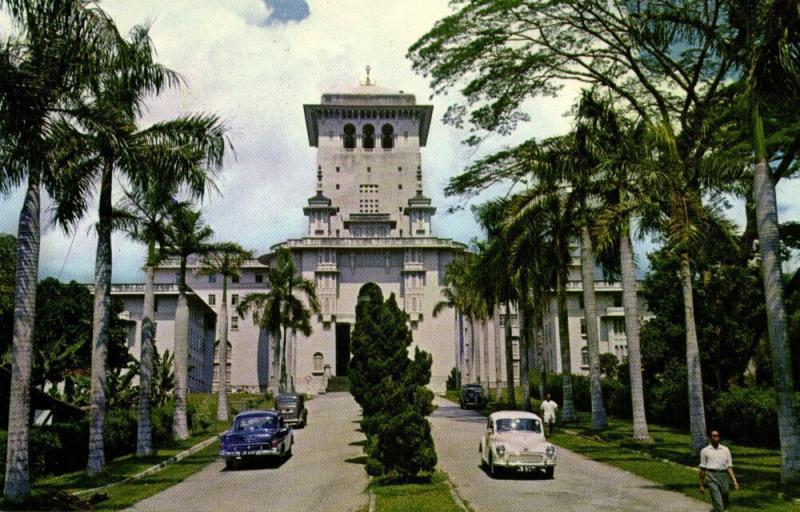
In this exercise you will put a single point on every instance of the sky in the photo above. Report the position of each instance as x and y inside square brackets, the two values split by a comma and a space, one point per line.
[255, 63]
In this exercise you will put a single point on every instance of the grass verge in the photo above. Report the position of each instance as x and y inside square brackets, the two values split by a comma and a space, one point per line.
[668, 462]
[433, 496]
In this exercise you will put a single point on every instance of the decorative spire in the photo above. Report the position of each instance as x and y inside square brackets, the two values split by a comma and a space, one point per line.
[368, 81]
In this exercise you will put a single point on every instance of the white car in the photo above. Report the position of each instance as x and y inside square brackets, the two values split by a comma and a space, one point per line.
[514, 440]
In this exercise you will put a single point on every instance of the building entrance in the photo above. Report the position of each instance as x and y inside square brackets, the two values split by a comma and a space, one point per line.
[342, 348]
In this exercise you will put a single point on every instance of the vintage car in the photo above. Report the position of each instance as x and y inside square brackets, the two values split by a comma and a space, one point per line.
[514, 441]
[472, 395]
[256, 434]
[292, 408]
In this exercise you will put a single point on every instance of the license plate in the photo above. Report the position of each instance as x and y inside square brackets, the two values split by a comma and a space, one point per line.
[527, 469]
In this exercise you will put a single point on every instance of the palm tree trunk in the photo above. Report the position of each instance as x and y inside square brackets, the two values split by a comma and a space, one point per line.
[457, 347]
[498, 358]
[599, 419]
[282, 386]
[100, 326]
[476, 351]
[563, 338]
[180, 423]
[631, 303]
[540, 355]
[512, 402]
[485, 336]
[275, 361]
[144, 441]
[222, 355]
[769, 244]
[523, 354]
[17, 481]
[292, 357]
[468, 354]
[697, 415]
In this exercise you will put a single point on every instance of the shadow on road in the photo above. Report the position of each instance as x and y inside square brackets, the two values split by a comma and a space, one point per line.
[501, 474]
[462, 415]
[258, 463]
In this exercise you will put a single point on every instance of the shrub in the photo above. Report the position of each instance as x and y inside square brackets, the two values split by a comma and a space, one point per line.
[746, 415]
[453, 380]
[120, 432]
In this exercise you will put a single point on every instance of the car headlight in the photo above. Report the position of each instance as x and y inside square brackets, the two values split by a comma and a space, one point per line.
[550, 451]
[500, 449]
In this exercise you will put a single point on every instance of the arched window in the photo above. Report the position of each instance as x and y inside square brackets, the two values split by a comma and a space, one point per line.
[387, 136]
[368, 137]
[319, 359]
[349, 137]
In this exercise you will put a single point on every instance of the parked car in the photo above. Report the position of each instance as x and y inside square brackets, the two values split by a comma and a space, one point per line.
[514, 440]
[472, 395]
[256, 434]
[292, 408]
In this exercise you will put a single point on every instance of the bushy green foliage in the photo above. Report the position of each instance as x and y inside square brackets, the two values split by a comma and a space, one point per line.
[747, 415]
[453, 380]
[391, 390]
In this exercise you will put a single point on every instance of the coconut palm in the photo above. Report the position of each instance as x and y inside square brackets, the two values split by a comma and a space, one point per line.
[768, 51]
[617, 148]
[107, 142]
[188, 236]
[453, 299]
[144, 215]
[280, 310]
[226, 260]
[58, 47]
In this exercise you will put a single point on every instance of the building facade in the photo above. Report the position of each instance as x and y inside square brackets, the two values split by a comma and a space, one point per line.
[369, 221]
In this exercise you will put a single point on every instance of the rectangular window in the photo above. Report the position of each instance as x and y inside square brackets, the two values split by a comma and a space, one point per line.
[580, 301]
[234, 299]
[617, 301]
[583, 327]
[234, 279]
[259, 278]
[212, 299]
[234, 323]
[212, 278]
[155, 305]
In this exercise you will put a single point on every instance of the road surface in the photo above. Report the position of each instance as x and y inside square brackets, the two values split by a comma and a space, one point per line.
[316, 478]
[580, 484]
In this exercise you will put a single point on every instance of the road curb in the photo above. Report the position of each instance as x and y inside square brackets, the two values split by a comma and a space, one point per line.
[155, 469]
[456, 497]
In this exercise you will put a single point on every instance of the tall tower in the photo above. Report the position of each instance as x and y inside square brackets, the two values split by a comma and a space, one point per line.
[368, 141]
[369, 222]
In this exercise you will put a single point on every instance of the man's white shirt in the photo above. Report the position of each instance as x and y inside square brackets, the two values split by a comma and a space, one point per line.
[715, 459]
[549, 408]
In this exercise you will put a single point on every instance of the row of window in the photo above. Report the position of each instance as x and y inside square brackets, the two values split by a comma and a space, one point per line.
[212, 299]
[258, 278]
[368, 136]
[369, 169]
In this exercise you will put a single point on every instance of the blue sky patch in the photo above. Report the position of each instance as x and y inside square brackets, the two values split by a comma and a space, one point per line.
[284, 11]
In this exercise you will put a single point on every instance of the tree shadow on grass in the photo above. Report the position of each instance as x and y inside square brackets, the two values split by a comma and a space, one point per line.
[362, 442]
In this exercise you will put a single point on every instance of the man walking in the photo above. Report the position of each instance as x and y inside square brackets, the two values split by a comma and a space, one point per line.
[716, 471]
[549, 408]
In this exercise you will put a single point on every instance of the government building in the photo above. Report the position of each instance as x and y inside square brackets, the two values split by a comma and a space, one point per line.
[369, 221]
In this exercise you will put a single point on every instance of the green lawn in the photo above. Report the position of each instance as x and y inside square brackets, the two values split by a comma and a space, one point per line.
[668, 461]
[117, 470]
[422, 497]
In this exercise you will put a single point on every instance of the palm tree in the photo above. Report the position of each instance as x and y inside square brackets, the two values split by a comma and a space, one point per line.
[453, 299]
[59, 47]
[143, 215]
[187, 236]
[618, 148]
[280, 310]
[768, 50]
[226, 260]
[108, 142]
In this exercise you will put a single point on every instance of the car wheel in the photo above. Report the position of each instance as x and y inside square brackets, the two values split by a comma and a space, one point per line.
[492, 469]
[550, 472]
[288, 452]
[230, 463]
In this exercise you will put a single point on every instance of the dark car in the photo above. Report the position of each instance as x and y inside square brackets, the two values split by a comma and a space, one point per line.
[292, 408]
[256, 434]
[472, 395]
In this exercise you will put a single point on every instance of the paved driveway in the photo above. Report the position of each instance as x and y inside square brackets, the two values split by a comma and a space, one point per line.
[580, 484]
[316, 478]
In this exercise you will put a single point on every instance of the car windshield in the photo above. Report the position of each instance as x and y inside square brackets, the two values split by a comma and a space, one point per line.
[518, 425]
[253, 422]
[474, 390]
[287, 400]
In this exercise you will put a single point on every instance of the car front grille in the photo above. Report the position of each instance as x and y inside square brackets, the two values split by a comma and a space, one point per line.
[526, 458]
